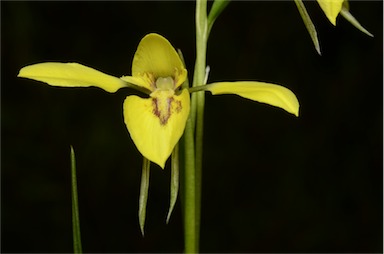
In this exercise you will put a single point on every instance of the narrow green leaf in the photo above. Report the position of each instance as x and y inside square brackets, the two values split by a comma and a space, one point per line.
[217, 8]
[144, 193]
[174, 180]
[308, 24]
[348, 16]
[75, 207]
[182, 145]
[185, 85]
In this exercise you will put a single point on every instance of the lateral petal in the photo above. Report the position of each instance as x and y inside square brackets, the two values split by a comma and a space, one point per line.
[71, 75]
[157, 57]
[331, 8]
[156, 124]
[271, 94]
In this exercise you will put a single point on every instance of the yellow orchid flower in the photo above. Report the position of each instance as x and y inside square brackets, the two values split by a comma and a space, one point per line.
[156, 123]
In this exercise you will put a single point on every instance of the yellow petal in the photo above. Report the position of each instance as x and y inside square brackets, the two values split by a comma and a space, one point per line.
[271, 94]
[71, 75]
[331, 8]
[155, 57]
[156, 124]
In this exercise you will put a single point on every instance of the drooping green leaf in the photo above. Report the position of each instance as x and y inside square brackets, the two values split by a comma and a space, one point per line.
[75, 207]
[348, 16]
[174, 180]
[308, 24]
[144, 193]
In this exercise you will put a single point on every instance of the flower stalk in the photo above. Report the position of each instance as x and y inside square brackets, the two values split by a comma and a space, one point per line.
[194, 147]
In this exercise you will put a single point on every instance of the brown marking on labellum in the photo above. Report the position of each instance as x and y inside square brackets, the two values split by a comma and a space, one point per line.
[163, 112]
[163, 109]
[178, 106]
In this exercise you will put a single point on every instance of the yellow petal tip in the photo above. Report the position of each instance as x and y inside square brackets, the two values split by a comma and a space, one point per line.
[331, 9]
[271, 94]
[71, 75]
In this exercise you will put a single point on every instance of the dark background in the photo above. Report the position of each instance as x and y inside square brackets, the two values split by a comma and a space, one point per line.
[271, 182]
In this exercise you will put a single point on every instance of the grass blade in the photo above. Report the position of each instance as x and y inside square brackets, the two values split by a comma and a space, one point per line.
[174, 180]
[75, 207]
[144, 193]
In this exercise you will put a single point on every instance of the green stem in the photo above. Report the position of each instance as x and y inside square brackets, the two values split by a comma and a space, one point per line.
[201, 42]
[75, 207]
[193, 154]
[198, 80]
[189, 189]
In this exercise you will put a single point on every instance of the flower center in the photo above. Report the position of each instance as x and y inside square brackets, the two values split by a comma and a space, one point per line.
[166, 83]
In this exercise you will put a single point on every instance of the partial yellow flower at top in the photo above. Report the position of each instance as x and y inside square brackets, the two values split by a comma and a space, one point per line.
[157, 122]
[331, 8]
